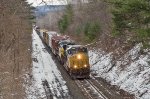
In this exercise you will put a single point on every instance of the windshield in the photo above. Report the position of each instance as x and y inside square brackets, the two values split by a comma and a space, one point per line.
[77, 50]
[84, 50]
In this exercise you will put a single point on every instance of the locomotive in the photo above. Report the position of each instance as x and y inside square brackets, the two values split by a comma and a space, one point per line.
[77, 62]
[73, 57]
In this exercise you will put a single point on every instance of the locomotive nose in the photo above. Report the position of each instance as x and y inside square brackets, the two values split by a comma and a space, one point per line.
[85, 65]
[79, 56]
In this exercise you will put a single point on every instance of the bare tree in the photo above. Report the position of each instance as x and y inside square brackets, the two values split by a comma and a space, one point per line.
[15, 40]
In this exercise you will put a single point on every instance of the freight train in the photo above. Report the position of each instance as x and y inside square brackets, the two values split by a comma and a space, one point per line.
[73, 57]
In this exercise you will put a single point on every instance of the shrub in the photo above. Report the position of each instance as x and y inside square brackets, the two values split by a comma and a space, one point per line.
[66, 19]
[63, 24]
[91, 30]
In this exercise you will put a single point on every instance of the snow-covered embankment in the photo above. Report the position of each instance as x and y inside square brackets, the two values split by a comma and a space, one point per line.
[131, 72]
[44, 68]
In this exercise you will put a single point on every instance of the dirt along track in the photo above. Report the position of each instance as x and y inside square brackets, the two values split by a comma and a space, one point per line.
[79, 88]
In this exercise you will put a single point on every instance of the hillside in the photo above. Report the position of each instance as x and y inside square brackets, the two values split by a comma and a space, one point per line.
[15, 44]
[117, 35]
[43, 10]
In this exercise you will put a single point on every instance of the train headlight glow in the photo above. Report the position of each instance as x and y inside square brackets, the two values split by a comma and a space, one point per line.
[75, 66]
[85, 65]
[79, 56]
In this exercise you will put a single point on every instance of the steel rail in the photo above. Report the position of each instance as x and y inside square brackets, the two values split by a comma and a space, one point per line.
[97, 89]
[80, 85]
[87, 91]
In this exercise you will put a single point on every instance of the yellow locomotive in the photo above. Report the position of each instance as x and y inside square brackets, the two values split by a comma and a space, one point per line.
[76, 61]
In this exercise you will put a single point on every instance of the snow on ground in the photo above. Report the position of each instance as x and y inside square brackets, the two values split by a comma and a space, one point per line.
[131, 72]
[44, 68]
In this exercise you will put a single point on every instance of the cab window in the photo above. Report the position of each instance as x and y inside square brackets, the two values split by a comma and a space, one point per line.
[71, 51]
[84, 50]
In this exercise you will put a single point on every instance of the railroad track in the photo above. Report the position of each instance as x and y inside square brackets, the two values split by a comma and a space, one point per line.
[90, 90]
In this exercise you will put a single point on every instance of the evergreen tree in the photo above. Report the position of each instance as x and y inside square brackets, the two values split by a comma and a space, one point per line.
[134, 16]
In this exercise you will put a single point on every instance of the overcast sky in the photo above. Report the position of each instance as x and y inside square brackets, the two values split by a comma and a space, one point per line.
[50, 2]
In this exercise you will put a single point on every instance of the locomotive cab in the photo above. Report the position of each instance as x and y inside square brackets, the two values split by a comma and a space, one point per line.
[78, 61]
[62, 49]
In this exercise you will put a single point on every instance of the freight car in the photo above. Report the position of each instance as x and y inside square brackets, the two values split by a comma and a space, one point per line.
[55, 43]
[43, 33]
[47, 37]
[37, 29]
[50, 35]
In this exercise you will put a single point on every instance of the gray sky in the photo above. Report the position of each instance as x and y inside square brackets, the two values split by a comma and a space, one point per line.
[51, 2]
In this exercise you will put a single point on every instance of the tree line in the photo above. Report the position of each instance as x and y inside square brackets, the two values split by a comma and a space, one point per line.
[132, 17]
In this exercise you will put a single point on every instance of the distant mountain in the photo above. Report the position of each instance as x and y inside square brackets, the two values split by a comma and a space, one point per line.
[42, 10]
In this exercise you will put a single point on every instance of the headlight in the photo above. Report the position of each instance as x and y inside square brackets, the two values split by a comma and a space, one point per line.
[79, 56]
[75, 66]
[85, 65]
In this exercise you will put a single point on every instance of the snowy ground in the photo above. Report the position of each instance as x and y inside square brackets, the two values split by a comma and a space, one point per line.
[44, 68]
[131, 72]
